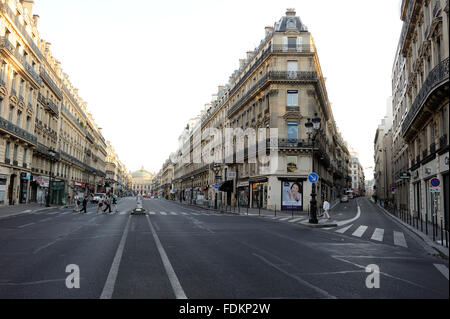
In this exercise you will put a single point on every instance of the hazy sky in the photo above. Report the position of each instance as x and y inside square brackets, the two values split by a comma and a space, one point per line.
[146, 67]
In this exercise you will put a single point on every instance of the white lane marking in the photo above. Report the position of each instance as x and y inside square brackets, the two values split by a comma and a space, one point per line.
[295, 220]
[52, 213]
[360, 231]
[185, 213]
[89, 213]
[345, 222]
[26, 225]
[108, 289]
[285, 218]
[399, 239]
[196, 214]
[173, 213]
[163, 213]
[26, 211]
[294, 276]
[45, 220]
[442, 269]
[66, 213]
[122, 213]
[378, 234]
[176, 286]
[343, 230]
[152, 213]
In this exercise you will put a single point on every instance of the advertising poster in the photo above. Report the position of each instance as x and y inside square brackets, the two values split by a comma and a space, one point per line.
[292, 195]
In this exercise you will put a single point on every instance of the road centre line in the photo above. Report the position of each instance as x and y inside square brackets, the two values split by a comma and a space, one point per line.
[108, 289]
[176, 286]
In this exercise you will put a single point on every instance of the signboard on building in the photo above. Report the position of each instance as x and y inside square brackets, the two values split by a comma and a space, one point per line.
[231, 175]
[292, 195]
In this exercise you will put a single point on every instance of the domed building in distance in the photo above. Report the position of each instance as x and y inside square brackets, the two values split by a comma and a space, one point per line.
[141, 181]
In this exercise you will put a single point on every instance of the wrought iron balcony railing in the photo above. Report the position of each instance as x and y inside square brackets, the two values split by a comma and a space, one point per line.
[14, 129]
[51, 83]
[439, 73]
[6, 9]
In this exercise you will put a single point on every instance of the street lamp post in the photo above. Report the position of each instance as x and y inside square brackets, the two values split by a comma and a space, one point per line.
[52, 154]
[312, 128]
[192, 189]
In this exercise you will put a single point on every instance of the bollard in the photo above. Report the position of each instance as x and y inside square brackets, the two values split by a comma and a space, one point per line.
[275, 210]
[442, 234]
[426, 224]
[259, 210]
[432, 222]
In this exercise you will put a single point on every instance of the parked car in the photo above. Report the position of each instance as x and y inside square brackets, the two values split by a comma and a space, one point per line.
[97, 196]
[344, 199]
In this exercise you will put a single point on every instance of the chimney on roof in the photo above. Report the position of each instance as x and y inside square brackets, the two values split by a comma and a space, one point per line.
[241, 63]
[249, 54]
[28, 4]
[220, 88]
[35, 19]
[290, 12]
[268, 29]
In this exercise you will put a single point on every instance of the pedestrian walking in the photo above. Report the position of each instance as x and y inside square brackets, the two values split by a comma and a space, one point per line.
[85, 200]
[114, 203]
[76, 202]
[100, 203]
[107, 204]
[326, 208]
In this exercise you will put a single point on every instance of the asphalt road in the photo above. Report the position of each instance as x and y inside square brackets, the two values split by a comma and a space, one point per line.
[176, 251]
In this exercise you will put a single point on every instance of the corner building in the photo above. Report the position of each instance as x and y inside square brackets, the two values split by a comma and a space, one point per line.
[279, 85]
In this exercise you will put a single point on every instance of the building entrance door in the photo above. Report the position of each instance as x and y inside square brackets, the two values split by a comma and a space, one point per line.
[11, 189]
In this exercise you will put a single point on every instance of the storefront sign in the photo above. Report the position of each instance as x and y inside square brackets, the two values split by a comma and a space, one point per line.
[42, 181]
[79, 184]
[243, 184]
[292, 195]
[231, 175]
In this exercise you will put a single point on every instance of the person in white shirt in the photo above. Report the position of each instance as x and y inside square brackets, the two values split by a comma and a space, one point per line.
[75, 203]
[326, 208]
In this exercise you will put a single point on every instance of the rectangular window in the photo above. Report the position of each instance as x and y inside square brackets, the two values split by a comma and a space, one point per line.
[16, 149]
[292, 98]
[19, 115]
[7, 150]
[292, 44]
[25, 156]
[28, 123]
[11, 112]
[292, 132]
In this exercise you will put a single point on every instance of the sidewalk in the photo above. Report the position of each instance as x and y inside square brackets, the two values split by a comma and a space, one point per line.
[7, 211]
[423, 229]
[250, 211]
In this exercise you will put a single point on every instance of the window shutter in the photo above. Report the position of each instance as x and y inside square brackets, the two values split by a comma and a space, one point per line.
[299, 44]
[285, 44]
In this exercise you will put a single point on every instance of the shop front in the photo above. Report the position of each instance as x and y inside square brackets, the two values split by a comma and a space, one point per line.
[39, 188]
[79, 189]
[57, 189]
[243, 193]
[23, 190]
[3, 179]
[259, 193]
[292, 194]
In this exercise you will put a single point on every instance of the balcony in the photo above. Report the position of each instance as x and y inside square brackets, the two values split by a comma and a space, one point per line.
[434, 81]
[7, 46]
[10, 128]
[433, 148]
[9, 13]
[292, 109]
[7, 161]
[50, 83]
[304, 76]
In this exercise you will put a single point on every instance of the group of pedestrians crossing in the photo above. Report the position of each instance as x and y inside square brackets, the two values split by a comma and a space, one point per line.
[109, 201]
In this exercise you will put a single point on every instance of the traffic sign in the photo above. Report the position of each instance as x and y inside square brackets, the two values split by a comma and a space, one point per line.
[216, 186]
[313, 178]
[435, 182]
[435, 189]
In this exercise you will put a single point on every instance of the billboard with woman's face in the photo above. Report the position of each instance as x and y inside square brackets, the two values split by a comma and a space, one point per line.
[292, 195]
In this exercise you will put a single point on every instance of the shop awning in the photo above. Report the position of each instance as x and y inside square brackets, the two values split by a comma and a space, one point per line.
[226, 186]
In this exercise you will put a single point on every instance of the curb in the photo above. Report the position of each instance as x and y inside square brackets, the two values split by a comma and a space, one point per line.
[318, 225]
[428, 243]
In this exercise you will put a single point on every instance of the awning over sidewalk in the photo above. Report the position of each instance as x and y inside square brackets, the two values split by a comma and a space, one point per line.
[226, 186]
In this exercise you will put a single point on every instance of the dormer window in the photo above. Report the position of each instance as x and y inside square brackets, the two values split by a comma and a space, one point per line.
[291, 24]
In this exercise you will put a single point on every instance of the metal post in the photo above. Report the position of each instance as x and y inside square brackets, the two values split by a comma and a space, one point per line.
[442, 234]
[275, 210]
[432, 221]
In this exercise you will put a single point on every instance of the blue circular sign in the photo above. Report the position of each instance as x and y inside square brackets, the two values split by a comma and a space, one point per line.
[313, 178]
[435, 182]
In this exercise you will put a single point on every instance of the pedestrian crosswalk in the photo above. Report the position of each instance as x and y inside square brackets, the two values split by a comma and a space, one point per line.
[378, 234]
